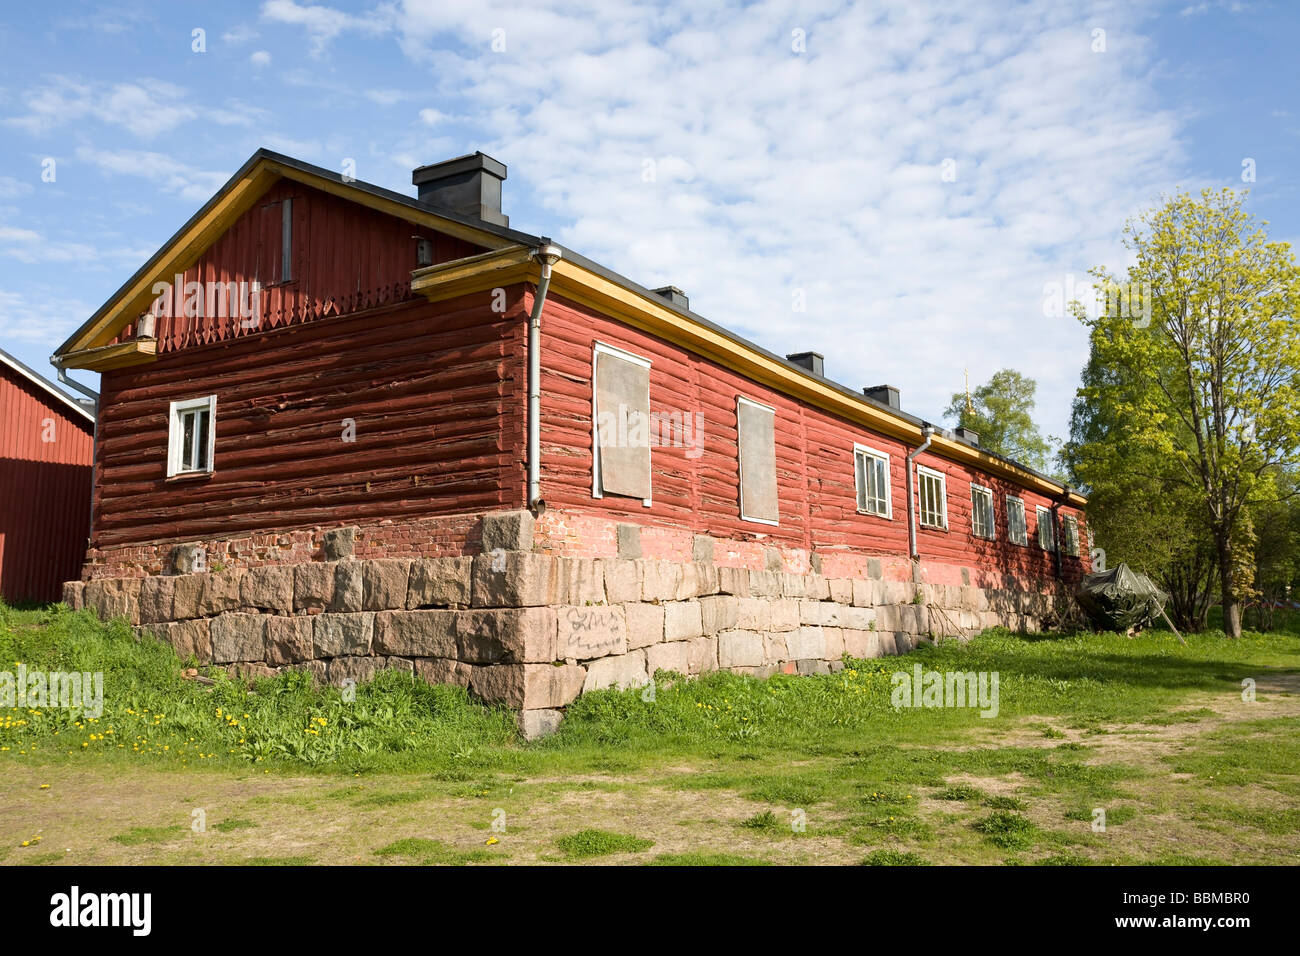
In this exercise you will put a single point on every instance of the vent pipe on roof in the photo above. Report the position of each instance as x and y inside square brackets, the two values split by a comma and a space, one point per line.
[814, 362]
[884, 394]
[467, 186]
[674, 295]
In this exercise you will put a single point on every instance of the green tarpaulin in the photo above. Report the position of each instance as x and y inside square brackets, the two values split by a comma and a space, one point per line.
[1121, 598]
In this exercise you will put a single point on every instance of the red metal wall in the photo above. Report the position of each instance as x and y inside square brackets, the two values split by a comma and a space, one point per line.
[346, 258]
[814, 450]
[436, 392]
[44, 490]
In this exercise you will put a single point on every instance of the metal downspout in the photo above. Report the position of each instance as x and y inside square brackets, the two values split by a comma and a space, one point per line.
[94, 435]
[547, 255]
[927, 432]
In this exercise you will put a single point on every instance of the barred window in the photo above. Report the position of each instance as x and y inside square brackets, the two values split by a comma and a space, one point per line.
[1070, 535]
[872, 475]
[981, 511]
[1046, 532]
[1017, 530]
[934, 498]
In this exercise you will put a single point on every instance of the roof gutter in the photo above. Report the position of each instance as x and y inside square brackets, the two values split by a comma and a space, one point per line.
[547, 255]
[927, 432]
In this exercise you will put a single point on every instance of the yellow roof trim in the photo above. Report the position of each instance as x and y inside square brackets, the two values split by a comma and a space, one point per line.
[581, 285]
[118, 355]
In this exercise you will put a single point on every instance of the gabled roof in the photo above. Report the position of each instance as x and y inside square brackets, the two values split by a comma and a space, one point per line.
[577, 276]
[232, 200]
[45, 384]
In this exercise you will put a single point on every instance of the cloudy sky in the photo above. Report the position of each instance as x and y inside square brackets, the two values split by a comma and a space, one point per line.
[922, 177]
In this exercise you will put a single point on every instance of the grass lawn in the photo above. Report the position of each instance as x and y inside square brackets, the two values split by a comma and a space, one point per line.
[722, 770]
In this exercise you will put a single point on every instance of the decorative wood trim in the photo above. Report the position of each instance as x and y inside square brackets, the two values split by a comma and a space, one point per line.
[119, 355]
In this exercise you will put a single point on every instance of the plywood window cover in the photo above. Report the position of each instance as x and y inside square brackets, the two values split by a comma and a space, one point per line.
[601, 348]
[175, 435]
[860, 451]
[741, 403]
[942, 479]
[980, 491]
[1017, 530]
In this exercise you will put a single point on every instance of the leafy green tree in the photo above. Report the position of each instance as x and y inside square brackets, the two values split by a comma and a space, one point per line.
[1001, 412]
[1202, 335]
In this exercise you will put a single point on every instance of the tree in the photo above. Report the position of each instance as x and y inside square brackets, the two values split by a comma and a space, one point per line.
[1203, 337]
[1138, 510]
[1001, 413]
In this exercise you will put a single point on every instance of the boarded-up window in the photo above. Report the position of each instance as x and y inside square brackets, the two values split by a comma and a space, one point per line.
[621, 423]
[756, 433]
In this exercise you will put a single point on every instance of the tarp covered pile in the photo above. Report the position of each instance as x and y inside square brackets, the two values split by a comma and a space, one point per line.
[1121, 598]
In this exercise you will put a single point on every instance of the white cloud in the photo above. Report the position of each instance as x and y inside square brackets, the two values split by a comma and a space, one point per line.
[323, 24]
[167, 173]
[39, 319]
[240, 34]
[147, 108]
[776, 171]
[260, 59]
[11, 188]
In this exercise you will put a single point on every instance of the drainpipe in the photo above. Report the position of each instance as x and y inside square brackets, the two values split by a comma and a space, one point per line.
[927, 432]
[1056, 526]
[92, 399]
[547, 255]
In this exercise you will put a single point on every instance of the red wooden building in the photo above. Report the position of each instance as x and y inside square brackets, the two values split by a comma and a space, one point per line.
[310, 352]
[46, 446]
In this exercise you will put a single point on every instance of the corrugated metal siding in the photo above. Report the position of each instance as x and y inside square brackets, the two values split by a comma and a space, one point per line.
[346, 258]
[436, 392]
[44, 491]
[814, 452]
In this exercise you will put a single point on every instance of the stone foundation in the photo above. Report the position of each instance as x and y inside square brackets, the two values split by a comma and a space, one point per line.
[532, 629]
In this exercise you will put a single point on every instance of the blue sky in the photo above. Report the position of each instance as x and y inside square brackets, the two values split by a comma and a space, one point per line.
[757, 155]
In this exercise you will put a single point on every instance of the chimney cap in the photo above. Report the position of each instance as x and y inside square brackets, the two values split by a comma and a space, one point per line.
[674, 295]
[470, 162]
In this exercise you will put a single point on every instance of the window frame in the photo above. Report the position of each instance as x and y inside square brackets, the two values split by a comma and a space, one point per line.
[1070, 523]
[923, 471]
[1024, 522]
[876, 454]
[603, 348]
[976, 488]
[176, 432]
[740, 464]
[1039, 511]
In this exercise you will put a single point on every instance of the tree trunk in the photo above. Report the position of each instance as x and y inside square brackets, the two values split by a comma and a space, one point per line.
[1227, 573]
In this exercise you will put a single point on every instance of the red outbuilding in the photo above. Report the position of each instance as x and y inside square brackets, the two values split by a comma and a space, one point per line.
[47, 441]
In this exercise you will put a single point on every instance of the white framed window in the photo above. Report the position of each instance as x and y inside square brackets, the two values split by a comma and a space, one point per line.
[1017, 530]
[871, 475]
[191, 436]
[933, 494]
[1070, 535]
[620, 424]
[756, 438]
[1046, 533]
[981, 512]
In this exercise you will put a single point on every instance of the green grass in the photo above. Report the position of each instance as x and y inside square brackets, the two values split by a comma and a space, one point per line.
[139, 835]
[1008, 830]
[705, 859]
[229, 826]
[893, 858]
[434, 852]
[589, 843]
